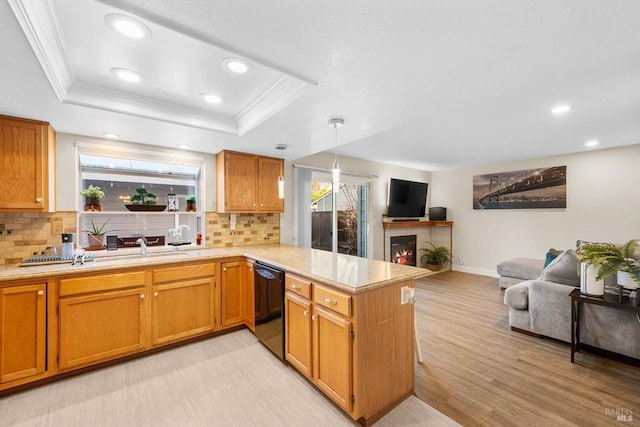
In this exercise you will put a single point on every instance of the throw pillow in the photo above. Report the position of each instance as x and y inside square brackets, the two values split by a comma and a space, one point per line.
[551, 255]
[563, 269]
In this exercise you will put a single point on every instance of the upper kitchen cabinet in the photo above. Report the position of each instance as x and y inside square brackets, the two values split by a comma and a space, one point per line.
[248, 183]
[27, 166]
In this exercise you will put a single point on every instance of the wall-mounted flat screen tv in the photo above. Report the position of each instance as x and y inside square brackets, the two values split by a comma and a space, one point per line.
[407, 199]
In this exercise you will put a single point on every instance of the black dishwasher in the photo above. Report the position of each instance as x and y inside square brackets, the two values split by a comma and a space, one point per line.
[269, 303]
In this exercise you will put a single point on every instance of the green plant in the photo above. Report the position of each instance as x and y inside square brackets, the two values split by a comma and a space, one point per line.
[143, 197]
[98, 230]
[436, 255]
[608, 259]
[93, 191]
[191, 198]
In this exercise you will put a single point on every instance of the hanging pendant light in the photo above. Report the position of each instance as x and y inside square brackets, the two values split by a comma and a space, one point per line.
[335, 123]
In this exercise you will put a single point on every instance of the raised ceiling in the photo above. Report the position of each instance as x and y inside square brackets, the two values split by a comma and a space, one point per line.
[425, 84]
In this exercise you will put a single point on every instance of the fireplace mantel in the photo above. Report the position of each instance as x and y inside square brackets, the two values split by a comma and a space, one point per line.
[440, 233]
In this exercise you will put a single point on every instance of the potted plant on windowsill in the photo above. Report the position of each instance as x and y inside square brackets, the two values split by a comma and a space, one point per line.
[92, 196]
[435, 258]
[96, 235]
[191, 203]
[143, 200]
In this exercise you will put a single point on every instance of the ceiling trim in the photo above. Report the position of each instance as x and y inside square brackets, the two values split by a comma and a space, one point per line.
[40, 24]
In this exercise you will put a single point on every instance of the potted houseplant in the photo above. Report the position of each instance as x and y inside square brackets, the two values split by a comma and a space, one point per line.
[191, 203]
[143, 200]
[435, 257]
[92, 196]
[610, 259]
[96, 234]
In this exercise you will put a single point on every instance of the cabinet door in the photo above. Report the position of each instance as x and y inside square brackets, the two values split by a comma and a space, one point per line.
[99, 327]
[23, 322]
[298, 332]
[332, 356]
[270, 170]
[240, 181]
[182, 309]
[23, 165]
[249, 300]
[231, 293]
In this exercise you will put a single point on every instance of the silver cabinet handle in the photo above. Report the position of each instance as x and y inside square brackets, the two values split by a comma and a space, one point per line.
[297, 287]
[314, 317]
[330, 301]
[38, 199]
[141, 296]
[253, 204]
[224, 269]
[261, 204]
[306, 312]
[155, 294]
[40, 292]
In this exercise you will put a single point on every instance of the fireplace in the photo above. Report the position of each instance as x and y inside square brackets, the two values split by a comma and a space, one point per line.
[403, 250]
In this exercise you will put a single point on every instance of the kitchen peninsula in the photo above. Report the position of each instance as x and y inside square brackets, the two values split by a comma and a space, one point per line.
[349, 320]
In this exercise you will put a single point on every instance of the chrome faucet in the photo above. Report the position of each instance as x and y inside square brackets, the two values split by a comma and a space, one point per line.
[142, 241]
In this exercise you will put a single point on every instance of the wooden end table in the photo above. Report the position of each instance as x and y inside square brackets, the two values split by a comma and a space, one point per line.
[607, 300]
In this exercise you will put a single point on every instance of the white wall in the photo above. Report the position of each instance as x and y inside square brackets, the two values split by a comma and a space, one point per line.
[378, 195]
[603, 204]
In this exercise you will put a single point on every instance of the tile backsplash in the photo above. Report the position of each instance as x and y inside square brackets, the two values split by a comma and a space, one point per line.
[26, 234]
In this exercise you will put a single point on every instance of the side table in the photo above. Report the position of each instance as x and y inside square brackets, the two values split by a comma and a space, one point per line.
[607, 300]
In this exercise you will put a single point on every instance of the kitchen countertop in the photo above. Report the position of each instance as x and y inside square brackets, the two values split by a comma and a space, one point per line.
[350, 273]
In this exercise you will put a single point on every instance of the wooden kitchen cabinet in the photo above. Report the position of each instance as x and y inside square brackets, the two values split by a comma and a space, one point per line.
[231, 291]
[248, 183]
[249, 300]
[319, 337]
[298, 329]
[23, 328]
[27, 165]
[183, 302]
[102, 317]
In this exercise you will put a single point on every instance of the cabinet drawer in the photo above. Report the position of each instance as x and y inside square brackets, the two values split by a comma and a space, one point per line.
[102, 282]
[190, 271]
[332, 299]
[299, 286]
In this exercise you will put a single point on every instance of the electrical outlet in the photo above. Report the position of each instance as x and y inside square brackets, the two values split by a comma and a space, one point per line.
[57, 226]
[460, 260]
[407, 295]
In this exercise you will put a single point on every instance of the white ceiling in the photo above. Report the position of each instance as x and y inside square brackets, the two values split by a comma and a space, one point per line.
[426, 84]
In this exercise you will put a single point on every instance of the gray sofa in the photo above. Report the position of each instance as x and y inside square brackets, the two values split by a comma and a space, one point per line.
[542, 306]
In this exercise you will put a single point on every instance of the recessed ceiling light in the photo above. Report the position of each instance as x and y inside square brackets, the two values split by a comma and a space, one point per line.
[127, 75]
[127, 26]
[592, 143]
[183, 147]
[211, 98]
[110, 135]
[560, 109]
[236, 65]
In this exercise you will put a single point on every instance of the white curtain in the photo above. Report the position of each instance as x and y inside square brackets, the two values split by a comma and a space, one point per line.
[302, 207]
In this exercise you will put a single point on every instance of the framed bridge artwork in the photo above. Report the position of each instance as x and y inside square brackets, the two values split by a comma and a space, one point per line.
[524, 189]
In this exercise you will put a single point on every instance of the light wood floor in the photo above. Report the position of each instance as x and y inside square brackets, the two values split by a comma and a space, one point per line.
[231, 380]
[480, 373]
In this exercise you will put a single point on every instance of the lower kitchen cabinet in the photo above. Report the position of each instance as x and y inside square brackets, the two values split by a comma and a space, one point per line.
[101, 317]
[23, 328]
[318, 339]
[298, 329]
[356, 348]
[183, 302]
[231, 292]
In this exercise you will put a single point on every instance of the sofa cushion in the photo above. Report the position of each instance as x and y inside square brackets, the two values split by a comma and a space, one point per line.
[517, 296]
[522, 268]
[563, 269]
[550, 256]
